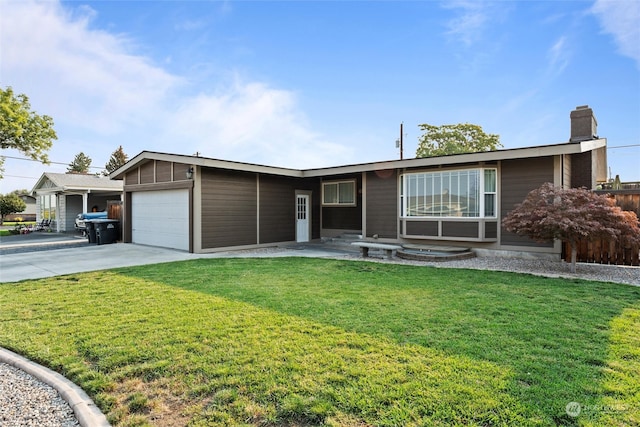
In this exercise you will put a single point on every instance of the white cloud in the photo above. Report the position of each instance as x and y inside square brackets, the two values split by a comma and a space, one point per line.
[103, 93]
[470, 23]
[251, 122]
[88, 77]
[558, 56]
[622, 20]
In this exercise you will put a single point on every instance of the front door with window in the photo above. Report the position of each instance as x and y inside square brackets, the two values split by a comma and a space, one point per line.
[302, 218]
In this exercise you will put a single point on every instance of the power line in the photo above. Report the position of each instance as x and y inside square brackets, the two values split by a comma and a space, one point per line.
[52, 162]
[622, 146]
[19, 176]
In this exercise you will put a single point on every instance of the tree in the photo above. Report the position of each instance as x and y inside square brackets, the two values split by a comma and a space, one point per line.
[80, 164]
[118, 158]
[23, 129]
[455, 139]
[571, 215]
[11, 203]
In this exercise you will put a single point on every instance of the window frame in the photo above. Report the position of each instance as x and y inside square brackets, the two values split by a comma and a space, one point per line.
[438, 176]
[337, 183]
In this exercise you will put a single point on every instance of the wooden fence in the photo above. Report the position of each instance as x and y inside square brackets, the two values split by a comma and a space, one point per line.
[604, 251]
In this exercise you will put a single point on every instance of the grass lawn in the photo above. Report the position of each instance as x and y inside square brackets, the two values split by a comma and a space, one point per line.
[8, 232]
[302, 342]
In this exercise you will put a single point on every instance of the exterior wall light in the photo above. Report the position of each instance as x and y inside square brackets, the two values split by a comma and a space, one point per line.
[190, 172]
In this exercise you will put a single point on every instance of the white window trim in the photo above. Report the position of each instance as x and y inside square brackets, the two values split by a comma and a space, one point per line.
[344, 181]
[481, 205]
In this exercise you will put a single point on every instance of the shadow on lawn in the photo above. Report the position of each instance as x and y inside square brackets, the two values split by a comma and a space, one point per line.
[552, 335]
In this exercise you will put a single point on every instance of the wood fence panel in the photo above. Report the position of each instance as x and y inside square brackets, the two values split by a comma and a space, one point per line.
[604, 252]
[610, 252]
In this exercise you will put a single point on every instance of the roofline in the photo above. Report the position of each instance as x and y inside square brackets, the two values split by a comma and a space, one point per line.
[485, 156]
[453, 159]
[66, 188]
[46, 175]
[205, 162]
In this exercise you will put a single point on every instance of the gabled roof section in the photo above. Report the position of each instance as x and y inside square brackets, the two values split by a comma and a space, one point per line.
[68, 182]
[450, 160]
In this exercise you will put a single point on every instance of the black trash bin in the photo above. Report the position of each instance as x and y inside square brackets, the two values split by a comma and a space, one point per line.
[106, 231]
[91, 231]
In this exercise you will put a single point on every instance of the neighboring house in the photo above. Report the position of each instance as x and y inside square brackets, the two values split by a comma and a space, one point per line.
[205, 205]
[29, 214]
[60, 197]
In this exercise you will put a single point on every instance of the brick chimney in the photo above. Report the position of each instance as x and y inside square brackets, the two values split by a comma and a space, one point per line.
[583, 124]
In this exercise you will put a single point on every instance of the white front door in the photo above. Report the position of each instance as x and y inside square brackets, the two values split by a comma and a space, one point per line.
[302, 218]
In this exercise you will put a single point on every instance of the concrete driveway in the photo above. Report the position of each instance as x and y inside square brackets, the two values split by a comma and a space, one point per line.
[39, 255]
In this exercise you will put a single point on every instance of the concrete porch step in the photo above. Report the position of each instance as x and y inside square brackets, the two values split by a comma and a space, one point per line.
[434, 252]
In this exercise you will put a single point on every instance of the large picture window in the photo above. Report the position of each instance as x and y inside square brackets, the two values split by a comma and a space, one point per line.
[337, 193]
[460, 193]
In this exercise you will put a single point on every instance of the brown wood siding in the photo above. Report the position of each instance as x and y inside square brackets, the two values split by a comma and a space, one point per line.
[490, 230]
[382, 204]
[180, 171]
[517, 179]
[229, 205]
[131, 177]
[277, 209]
[422, 228]
[147, 173]
[315, 186]
[163, 171]
[566, 170]
[126, 221]
[581, 170]
[342, 218]
[460, 229]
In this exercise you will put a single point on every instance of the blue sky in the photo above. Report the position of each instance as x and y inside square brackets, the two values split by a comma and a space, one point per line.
[306, 84]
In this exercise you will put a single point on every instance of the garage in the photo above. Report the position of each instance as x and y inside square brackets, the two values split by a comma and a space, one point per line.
[161, 218]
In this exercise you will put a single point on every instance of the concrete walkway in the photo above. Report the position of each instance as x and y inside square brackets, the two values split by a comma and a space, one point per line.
[40, 255]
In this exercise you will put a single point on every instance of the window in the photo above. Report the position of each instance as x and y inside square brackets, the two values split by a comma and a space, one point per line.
[461, 193]
[490, 193]
[48, 206]
[338, 193]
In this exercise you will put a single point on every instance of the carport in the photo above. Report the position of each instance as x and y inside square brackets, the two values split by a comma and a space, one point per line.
[60, 197]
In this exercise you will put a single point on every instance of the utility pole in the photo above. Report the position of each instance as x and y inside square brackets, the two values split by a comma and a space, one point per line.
[401, 136]
[399, 141]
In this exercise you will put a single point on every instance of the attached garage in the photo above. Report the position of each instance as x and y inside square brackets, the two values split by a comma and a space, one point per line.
[161, 218]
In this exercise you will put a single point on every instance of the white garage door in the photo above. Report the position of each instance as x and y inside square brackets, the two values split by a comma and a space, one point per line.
[161, 218]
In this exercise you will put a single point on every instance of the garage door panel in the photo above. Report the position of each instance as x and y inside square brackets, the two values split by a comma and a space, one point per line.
[161, 218]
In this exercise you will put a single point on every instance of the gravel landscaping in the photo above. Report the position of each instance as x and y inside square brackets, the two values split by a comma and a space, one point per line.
[25, 401]
[540, 267]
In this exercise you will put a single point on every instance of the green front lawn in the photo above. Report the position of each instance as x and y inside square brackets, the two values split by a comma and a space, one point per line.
[301, 342]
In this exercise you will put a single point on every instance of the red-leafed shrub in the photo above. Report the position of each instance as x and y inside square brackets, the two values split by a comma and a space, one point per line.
[570, 215]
